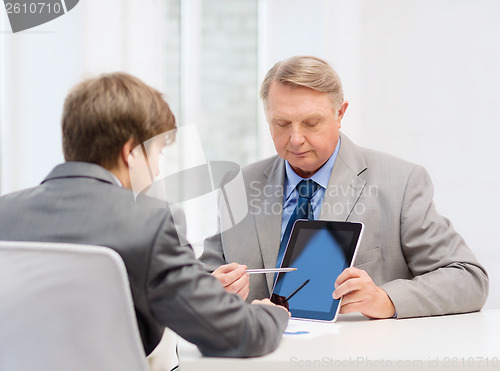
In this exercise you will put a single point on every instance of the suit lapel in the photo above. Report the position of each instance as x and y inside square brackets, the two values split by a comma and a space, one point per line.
[345, 185]
[268, 220]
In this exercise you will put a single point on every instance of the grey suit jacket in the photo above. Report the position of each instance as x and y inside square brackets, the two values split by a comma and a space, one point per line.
[81, 203]
[408, 249]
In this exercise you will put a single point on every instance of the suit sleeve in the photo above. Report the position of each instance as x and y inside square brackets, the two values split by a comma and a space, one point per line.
[213, 252]
[213, 255]
[184, 297]
[447, 277]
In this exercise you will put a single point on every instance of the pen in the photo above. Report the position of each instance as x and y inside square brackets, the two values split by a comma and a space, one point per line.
[271, 270]
[296, 291]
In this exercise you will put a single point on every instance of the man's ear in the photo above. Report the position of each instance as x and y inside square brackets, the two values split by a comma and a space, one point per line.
[341, 112]
[127, 150]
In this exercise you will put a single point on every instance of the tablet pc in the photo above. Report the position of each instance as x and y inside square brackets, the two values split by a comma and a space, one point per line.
[320, 250]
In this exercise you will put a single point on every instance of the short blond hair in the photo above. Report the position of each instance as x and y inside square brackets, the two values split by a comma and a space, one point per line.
[305, 71]
[101, 114]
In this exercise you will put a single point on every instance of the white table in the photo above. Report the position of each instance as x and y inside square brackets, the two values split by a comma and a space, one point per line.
[462, 342]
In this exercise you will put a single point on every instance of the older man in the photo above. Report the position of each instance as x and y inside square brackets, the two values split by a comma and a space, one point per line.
[410, 262]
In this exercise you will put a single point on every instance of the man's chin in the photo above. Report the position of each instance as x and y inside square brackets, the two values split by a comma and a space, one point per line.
[303, 170]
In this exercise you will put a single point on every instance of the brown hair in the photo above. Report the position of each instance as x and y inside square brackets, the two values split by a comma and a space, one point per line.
[306, 71]
[101, 114]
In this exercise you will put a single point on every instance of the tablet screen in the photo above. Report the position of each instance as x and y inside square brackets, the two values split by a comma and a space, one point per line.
[320, 250]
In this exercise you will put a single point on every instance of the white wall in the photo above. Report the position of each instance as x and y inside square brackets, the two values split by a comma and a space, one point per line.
[422, 79]
[40, 65]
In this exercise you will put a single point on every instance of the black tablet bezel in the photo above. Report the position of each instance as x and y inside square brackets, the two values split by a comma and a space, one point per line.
[354, 227]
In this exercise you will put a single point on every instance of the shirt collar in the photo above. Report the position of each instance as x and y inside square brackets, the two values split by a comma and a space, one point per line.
[117, 180]
[322, 176]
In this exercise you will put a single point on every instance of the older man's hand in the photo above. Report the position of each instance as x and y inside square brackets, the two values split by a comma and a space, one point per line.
[360, 294]
[233, 278]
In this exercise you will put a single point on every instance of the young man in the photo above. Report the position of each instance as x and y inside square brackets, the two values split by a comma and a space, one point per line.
[88, 200]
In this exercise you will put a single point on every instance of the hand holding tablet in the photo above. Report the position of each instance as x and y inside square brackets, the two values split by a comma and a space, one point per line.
[360, 294]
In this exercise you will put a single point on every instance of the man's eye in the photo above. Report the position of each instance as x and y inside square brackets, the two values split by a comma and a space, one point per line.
[282, 123]
[312, 123]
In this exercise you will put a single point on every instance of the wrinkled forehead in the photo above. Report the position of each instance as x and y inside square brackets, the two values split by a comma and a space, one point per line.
[277, 85]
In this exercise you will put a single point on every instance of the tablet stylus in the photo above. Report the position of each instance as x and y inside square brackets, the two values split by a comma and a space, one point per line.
[271, 270]
[296, 291]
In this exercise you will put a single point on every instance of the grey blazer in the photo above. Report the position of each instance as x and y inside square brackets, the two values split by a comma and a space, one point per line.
[408, 249]
[81, 203]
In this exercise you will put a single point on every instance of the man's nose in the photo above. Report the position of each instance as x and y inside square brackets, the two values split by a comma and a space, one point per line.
[296, 136]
